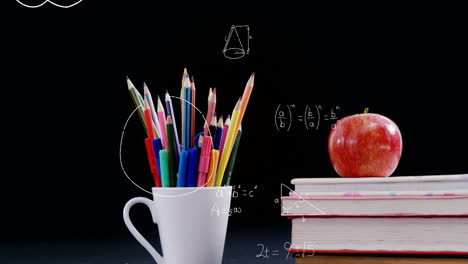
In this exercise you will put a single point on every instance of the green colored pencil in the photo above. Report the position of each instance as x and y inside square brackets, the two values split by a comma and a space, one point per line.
[163, 161]
[228, 174]
[171, 151]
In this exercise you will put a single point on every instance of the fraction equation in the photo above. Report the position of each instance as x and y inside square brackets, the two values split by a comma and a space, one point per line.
[308, 116]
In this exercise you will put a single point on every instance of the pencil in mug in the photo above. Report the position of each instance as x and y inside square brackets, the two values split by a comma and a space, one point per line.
[230, 168]
[164, 168]
[213, 166]
[210, 113]
[162, 123]
[192, 111]
[225, 130]
[232, 133]
[170, 112]
[154, 117]
[133, 93]
[219, 133]
[186, 122]
[204, 163]
[171, 152]
[149, 145]
[183, 164]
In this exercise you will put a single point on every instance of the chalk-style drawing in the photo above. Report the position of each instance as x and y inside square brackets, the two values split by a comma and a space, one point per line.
[234, 46]
[48, 1]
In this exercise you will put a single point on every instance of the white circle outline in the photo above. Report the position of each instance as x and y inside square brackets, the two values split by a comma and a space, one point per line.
[120, 152]
[48, 1]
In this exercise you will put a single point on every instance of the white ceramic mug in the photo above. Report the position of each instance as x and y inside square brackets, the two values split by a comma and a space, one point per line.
[192, 223]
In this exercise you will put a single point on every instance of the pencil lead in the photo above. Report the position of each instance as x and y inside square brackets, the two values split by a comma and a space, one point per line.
[214, 90]
[220, 122]
[185, 71]
[250, 82]
[160, 106]
[129, 83]
[145, 88]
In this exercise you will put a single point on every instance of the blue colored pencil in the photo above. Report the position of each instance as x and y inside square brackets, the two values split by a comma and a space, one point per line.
[192, 168]
[219, 133]
[182, 177]
[157, 146]
[187, 108]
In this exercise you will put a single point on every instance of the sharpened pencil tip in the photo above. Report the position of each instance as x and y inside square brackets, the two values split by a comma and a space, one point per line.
[191, 79]
[214, 90]
[169, 120]
[129, 83]
[127, 77]
[185, 71]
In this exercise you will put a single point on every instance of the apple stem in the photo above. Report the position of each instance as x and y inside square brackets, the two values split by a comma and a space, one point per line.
[366, 110]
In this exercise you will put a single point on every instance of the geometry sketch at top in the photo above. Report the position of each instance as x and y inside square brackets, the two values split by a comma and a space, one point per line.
[239, 35]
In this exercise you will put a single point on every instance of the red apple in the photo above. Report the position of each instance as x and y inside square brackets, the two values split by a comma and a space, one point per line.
[365, 145]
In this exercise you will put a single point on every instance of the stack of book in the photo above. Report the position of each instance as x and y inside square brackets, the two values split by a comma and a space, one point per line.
[425, 215]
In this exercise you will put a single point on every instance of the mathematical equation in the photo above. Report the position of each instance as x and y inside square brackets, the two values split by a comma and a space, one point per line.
[266, 252]
[310, 116]
[238, 192]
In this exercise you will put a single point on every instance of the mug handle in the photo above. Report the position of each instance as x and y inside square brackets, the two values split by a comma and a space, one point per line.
[134, 231]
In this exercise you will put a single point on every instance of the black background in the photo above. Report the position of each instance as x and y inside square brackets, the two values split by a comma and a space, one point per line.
[65, 99]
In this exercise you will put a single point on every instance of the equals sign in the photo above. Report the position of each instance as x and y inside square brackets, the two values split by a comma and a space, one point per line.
[300, 118]
[274, 253]
[244, 194]
[325, 117]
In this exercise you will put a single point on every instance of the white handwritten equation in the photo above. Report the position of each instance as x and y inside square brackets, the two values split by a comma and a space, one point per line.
[309, 116]
[266, 252]
[239, 192]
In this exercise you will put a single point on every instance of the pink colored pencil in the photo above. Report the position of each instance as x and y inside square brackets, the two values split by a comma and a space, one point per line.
[204, 162]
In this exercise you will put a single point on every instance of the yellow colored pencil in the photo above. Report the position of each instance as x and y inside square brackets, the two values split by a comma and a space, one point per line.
[232, 133]
[227, 146]
[212, 169]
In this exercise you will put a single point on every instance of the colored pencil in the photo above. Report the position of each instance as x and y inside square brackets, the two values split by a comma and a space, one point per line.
[211, 110]
[235, 123]
[225, 130]
[182, 107]
[212, 170]
[154, 117]
[162, 123]
[230, 168]
[192, 168]
[219, 133]
[157, 146]
[170, 112]
[192, 112]
[132, 90]
[164, 168]
[186, 142]
[204, 164]
[182, 178]
[148, 120]
[152, 162]
[212, 128]
[171, 151]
